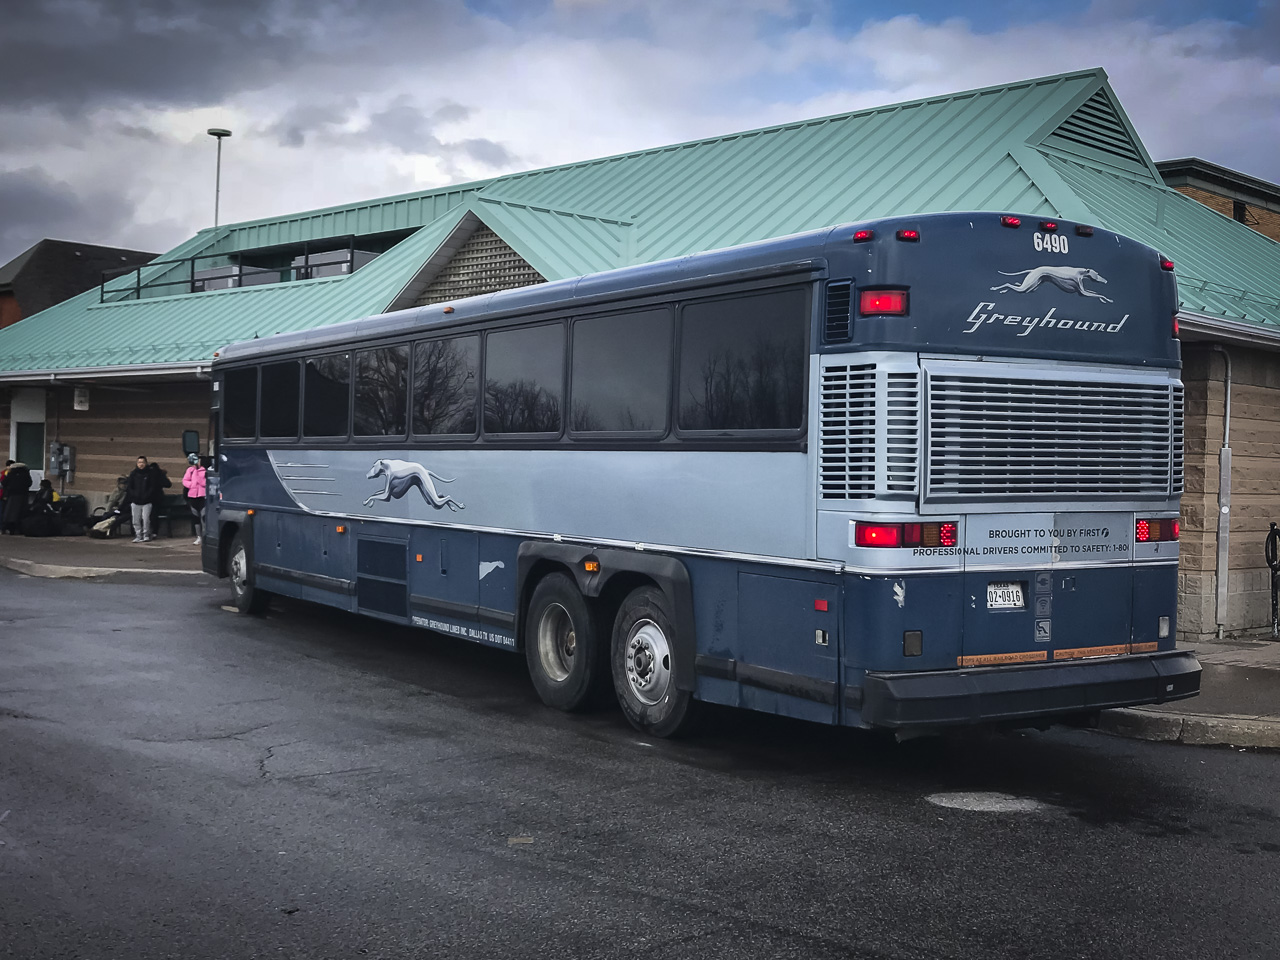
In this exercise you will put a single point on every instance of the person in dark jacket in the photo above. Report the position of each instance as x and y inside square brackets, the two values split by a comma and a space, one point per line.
[144, 489]
[16, 485]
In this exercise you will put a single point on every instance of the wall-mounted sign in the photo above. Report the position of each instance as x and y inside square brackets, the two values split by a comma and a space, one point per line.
[81, 401]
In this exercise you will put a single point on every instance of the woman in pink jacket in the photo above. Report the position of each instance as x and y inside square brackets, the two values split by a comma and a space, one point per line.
[193, 482]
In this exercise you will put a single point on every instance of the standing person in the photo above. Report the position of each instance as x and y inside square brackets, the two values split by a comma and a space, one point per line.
[16, 485]
[193, 481]
[145, 488]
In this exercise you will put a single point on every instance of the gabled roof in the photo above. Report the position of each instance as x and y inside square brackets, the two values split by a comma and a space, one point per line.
[1052, 146]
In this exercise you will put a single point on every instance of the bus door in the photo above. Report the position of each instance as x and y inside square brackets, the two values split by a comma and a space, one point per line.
[787, 652]
[1029, 600]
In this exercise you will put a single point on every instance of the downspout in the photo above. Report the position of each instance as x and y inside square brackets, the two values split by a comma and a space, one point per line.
[1224, 493]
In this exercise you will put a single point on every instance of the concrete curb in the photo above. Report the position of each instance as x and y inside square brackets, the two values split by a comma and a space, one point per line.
[1192, 728]
[58, 572]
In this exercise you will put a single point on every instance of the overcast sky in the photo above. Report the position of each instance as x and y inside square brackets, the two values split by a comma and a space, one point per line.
[104, 103]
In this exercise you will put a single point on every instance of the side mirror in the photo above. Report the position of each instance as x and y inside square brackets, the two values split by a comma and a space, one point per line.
[191, 441]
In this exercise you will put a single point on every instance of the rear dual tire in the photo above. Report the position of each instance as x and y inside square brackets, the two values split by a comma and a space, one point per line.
[643, 652]
[564, 648]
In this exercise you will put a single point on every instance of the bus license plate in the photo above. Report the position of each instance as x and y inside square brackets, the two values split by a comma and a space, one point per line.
[1002, 595]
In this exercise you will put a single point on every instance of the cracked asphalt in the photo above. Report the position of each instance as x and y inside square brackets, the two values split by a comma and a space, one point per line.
[179, 781]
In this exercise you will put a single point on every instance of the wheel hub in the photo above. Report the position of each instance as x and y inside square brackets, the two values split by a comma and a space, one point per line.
[648, 662]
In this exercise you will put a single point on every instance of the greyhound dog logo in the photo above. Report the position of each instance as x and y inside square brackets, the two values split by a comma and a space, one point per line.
[403, 475]
[1070, 279]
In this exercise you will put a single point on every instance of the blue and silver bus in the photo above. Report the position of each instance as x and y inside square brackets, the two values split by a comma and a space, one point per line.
[907, 474]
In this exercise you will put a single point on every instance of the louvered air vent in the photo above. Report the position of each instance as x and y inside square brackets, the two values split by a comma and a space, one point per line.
[484, 264]
[993, 438]
[838, 328]
[847, 467]
[1096, 126]
[903, 432]
[1176, 416]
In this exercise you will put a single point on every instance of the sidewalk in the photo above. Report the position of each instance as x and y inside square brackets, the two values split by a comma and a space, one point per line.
[1239, 702]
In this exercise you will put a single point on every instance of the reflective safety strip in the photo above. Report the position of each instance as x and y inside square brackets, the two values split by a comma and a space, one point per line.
[1151, 647]
[989, 659]
[1080, 653]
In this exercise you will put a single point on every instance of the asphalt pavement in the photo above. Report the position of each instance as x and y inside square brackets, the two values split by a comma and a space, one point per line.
[1238, 705]
[178, 781]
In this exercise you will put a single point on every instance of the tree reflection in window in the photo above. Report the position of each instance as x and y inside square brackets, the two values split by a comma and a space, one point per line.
[382, 387]
[444, 385]
[742, 362]
[524, 380]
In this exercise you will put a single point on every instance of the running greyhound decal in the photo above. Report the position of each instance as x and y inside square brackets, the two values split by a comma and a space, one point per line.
[1070, 279]
[402, 475]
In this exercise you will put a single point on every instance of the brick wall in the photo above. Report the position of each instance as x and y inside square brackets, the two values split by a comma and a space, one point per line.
[1255, 489]
[1266, 222]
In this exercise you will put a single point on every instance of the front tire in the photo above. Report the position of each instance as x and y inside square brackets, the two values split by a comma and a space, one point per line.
[246, 597]
[643, 653]
[567, 658]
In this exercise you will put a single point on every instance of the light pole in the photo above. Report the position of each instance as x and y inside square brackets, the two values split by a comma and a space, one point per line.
[218, 133]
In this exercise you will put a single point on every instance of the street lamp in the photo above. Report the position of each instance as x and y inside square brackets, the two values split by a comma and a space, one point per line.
[218, 133]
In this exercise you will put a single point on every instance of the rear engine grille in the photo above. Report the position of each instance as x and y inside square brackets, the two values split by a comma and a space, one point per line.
[848, 446]
[903, 432]
[994, 438]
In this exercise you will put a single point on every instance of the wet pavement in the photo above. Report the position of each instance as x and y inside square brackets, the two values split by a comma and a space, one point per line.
[179, 781]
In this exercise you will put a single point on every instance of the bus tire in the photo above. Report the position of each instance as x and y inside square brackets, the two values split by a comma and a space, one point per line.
[567, 658]
[642, 650]
[246, 597]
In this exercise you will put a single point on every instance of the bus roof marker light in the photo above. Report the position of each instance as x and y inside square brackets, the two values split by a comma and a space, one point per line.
[1049, 226]
[1166, 263]
[1083, 231]
[891, 303]
[1013, 222]
[862, 236]
[911, 236]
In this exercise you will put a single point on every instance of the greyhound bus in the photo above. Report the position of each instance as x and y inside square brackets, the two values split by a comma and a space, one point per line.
[908, 474]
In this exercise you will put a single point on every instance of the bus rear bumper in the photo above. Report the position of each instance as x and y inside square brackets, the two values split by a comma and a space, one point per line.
[946, 698]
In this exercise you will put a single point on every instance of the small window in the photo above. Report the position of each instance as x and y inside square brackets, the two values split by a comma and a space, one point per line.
[280, 396]
[240, 405]
[445, 380]
[524, 380]
[742, 362]
[621, 374]
[382, 392]
[327, 397]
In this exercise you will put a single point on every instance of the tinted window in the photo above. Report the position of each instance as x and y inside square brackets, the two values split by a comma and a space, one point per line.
[280, 396]
[240, 403]
[621, 377]
[524, 374]
[327, 396]
[445, 376]
[742, 362]
[382, 392]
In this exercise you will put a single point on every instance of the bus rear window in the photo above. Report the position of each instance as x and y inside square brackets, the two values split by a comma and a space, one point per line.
[742, 362]
[240, 405]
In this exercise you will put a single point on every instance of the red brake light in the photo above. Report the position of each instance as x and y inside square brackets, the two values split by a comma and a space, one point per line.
[862, 236]
[882, 303]
[912, 236]
[1156, 531]
[1175, 326]
[1048, 226]
[1010, 222]
[948, 534]
[1143, 531]
[877, 534]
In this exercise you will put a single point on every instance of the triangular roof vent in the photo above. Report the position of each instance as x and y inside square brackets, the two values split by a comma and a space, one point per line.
[484, 264]
[1096, 131]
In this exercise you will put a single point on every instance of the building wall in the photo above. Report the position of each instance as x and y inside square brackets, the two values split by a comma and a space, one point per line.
[124, 422]
[1266, 222]
[10, 312]
[1255, 489]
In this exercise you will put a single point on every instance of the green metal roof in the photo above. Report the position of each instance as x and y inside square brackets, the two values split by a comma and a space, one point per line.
[1056, 146]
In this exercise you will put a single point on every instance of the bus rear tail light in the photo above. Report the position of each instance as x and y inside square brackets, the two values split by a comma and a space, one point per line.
[1175, 327]
[1155, 531]
[882, 303]
[945, 534]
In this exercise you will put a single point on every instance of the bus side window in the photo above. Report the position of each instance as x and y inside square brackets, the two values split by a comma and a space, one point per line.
[281, 391]
[621, 373]
[382, 388]
[742, 362]
[240, 405]
[445, 379]
[524, 379]
[326, 398]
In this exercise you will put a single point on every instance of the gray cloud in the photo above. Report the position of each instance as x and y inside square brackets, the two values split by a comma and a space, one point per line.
[36, 206]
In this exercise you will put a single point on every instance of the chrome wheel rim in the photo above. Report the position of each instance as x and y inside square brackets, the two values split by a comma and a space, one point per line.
[239, 572]
[648, 662]
[557, 642]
